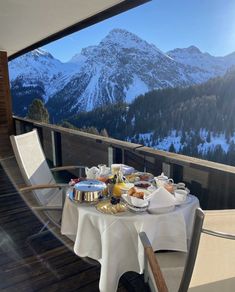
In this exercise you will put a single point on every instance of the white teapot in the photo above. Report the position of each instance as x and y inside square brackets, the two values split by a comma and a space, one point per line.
[104, 170]
[162, 180]
[92, 173]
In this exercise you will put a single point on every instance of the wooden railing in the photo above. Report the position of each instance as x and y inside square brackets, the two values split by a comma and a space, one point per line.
[213, 183]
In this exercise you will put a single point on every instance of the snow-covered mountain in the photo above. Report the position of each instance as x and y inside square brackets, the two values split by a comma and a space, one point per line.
[192, 56]
[39, 66]
[121, 67]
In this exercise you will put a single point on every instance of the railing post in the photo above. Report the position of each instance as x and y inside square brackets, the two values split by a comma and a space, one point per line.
[110, 156]
[56, 148]
[166, 169]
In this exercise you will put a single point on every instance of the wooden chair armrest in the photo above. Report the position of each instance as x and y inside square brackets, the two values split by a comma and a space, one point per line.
[69, 167]
[46, 208]
[155, 268]
[46, 186]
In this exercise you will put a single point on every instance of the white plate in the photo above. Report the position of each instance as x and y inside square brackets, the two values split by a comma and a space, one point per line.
[135, 202]
[136, 209]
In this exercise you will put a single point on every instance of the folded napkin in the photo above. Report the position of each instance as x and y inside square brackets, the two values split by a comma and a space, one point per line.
[161, 198]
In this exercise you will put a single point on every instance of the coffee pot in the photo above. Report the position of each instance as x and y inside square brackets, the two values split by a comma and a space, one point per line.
[163, 181]
[104, 170]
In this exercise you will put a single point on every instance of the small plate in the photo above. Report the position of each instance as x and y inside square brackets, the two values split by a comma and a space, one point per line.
[145, 176]
[143, 184]
[106, 207]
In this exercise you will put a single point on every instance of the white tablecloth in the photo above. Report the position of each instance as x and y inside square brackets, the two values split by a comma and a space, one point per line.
[113, 239]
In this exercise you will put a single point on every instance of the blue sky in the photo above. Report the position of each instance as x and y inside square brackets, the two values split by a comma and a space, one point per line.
[169, 24]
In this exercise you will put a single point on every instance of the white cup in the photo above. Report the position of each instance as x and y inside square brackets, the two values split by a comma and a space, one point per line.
[115, 168]
[180, 195]
[181, 185]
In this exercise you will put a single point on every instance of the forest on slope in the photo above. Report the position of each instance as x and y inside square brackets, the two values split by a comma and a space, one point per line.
[195, 115]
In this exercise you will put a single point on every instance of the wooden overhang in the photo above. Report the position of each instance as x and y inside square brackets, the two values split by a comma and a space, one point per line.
[26, 25]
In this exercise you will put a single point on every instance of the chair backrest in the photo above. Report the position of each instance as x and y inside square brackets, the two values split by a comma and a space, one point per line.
[215, 263]
[158, 280]
[33, 165]
[193, 248]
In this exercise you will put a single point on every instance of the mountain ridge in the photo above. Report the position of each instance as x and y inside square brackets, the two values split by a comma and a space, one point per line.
[118, 69]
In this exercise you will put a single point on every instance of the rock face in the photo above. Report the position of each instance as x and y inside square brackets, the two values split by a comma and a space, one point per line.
[120, 68]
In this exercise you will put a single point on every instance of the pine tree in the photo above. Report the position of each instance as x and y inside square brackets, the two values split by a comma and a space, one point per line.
[172, 148]
[104, 133]
[231, 153]
[38, 112]
[208, 137]
[183, 138]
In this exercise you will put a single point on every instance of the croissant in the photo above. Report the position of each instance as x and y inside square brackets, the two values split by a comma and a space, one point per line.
[131, 191]
[139, 195]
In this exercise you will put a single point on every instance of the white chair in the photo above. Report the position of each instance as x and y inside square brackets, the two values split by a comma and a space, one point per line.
[171, 271]
[209, 265]
[44, 193]
[214, 268]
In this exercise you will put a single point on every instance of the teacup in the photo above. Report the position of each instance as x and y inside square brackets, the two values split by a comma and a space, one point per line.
[181, 186]
[115, 168]
[180, 195]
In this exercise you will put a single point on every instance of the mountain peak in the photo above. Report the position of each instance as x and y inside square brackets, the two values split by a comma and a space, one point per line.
[123, 38]
[193, 49]
[121, 32]
[41, 53]
[189, 50]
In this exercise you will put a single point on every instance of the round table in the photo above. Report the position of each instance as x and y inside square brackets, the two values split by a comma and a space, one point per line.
[113, 240]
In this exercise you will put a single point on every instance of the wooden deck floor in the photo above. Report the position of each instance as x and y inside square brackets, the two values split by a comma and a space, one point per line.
[42, 263]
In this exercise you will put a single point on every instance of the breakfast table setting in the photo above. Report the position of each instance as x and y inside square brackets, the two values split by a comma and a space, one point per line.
[105, 212]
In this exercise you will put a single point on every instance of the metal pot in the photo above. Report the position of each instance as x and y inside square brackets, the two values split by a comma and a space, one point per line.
[88, 190]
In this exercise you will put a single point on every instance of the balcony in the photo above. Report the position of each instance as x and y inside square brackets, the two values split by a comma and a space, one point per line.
[32, 263]
[35, 263]
[212, 183]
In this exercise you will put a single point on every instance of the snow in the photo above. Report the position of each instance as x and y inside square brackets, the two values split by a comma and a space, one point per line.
[174, 138]
[166, 142]
[216, 139]
[136, 88]
[92, 90]
[124, 39]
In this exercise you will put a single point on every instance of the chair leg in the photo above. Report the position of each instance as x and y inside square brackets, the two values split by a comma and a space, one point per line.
[63, 197]
[146, 276]
[41, 232]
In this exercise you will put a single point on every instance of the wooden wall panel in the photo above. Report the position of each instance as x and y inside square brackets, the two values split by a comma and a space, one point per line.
[6, 121]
